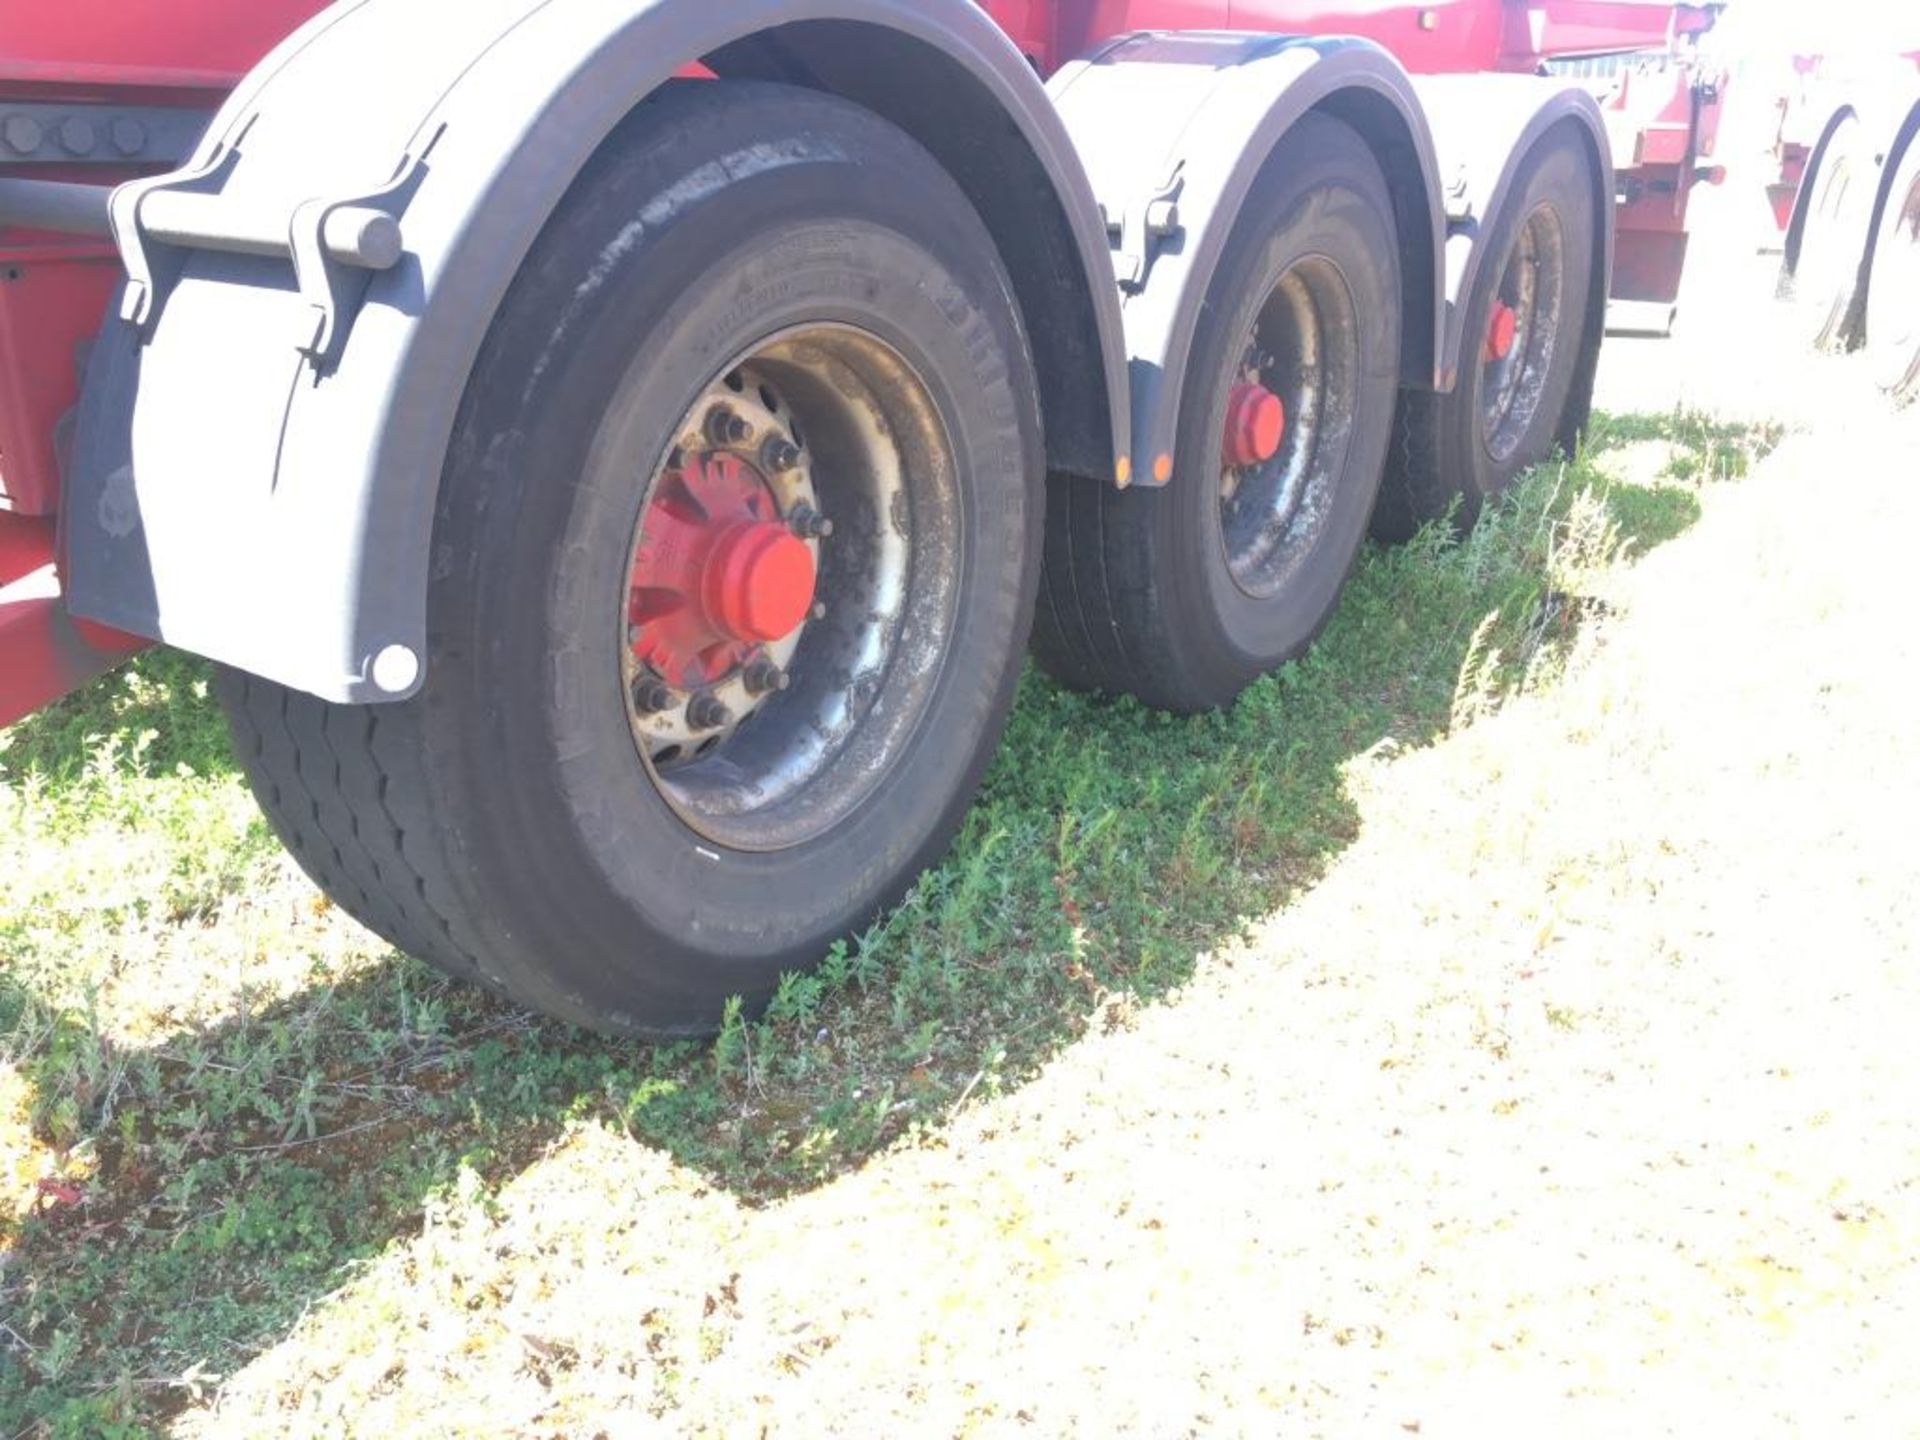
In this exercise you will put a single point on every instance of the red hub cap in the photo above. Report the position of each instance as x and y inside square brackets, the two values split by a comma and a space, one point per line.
[717, 573]
[1501, 326]
[1256, 423]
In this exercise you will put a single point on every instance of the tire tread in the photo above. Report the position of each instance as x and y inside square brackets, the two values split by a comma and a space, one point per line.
[320, 776]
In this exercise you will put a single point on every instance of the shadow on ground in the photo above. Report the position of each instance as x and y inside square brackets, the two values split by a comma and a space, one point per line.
[236, 1174]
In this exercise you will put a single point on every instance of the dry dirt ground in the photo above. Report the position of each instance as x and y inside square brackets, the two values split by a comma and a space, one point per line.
[1578, 1099]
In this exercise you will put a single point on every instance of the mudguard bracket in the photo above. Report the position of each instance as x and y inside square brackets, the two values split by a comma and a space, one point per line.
[335, 245]
[1145, 226]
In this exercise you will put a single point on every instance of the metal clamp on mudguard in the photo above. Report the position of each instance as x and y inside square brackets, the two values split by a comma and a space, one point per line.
[335, 246]
[1139, 230]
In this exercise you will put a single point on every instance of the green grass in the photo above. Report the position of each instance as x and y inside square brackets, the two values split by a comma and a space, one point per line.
[249, 1097]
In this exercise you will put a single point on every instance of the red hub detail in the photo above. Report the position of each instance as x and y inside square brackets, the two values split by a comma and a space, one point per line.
[1256, 423]
[717, 573]
[1501, 327]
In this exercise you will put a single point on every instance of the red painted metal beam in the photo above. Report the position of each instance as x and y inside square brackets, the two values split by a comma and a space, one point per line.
[142, 44]
[53, 292]
[53, 289]
[1435, 37]
[1567, 29]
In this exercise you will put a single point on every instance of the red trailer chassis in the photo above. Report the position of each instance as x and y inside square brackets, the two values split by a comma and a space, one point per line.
[99, 91]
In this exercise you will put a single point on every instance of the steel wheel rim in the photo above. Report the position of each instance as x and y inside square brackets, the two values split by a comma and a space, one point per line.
[1532, 291]
[1893, 323]
[1303, 346]
[817, 717]
[1821, 282]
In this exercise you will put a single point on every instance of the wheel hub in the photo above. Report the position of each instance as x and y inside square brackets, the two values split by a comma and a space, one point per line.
[1256, 424]
[1502, 326]
[717, 572]
[795, 573]
[725, 576]
[759, 582]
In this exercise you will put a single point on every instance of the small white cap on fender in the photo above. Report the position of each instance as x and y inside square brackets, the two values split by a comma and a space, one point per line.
[396, 669]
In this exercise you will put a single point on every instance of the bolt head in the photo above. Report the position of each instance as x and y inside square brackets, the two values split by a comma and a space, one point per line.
[77, 137]
[763, 677]
[708, 712]
[129, 136]
[809, 524]
[22, 134]
[724, 427]
[652, 695]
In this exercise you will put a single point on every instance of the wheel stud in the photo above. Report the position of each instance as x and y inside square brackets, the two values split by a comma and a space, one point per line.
[764, 677]
[819, 612]
[652, 695]
[726, 428]
[780, 455]
[708, 712]
[809, 525]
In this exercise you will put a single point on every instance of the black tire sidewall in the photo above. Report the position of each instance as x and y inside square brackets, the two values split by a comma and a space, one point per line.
[1321, 194]
[1896, 368]
[1833, 236]
[564, 426]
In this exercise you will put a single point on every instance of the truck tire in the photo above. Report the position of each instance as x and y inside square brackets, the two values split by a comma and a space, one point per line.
[1526, 324]
[734, 560]
[1184, 595]
[1893, 289]
[1826, 272]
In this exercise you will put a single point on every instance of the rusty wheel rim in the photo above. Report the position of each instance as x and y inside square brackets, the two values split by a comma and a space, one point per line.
[1893, 304]
[1288, 425]
[1522, 335]
[791, 592]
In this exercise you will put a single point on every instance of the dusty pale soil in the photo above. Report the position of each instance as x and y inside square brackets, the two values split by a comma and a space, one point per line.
[1581, 1098]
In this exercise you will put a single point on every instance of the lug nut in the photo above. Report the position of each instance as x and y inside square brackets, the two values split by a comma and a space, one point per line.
[809, 525]
[708, 712]
[763, 677]
[780, 455]
[726, 428]
[652, 695]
